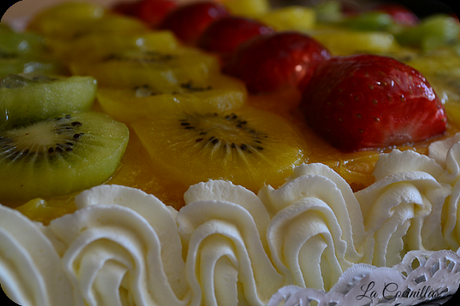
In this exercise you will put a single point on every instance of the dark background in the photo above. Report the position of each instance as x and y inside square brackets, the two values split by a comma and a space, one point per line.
[424, 8]
[421, 8]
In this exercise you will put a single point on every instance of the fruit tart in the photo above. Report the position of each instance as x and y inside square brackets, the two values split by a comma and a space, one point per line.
[228, 153]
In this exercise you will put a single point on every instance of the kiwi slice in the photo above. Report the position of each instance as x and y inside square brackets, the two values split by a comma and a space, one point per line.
[346, 41]
[65, 19]
[248, 146]
[60, 155]
[25, 43]
[11, 63]
[96, 45]
[222, 93]
[157, 69]
[32, 97]
[81, 23]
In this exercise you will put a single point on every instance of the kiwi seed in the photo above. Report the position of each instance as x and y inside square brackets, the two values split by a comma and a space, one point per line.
[44, 140]
[226, 131]
[145, 90]
[144, 57]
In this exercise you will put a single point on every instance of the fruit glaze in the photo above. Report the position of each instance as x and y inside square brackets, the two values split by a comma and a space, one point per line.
[229, 153]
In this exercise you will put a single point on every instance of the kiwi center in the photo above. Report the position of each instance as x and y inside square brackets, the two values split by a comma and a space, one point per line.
[44, 138]
[21, 80]
[188, 87]
[227, 131]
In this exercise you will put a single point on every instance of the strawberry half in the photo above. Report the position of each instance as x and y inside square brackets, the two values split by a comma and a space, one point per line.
[275, 61]
[188, 21]
[223, 35]
[369, 101]
[151, 12]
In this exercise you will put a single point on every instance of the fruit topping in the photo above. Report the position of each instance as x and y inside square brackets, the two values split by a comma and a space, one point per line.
[95, 45]
[26, 52]
[60, 155]
[188, 21]
[348, 42]
[225, 34]
[399, 13]
[369, 101]
[66, 19]
[247, 8]
[432, 32]
[12, 64]
[293, 17]
[17, 43]
[26, 98]
[150, 11]
[275, 61]
[248, 146]
[369, 21]
[162, 71]
[222, 93]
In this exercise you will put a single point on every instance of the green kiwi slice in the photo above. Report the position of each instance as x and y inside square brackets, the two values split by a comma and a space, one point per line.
[26, 98]
[60, 155]
[25, 43]
[14, 64]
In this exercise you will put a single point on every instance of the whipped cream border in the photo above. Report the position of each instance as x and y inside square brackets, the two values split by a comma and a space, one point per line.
[310, 239]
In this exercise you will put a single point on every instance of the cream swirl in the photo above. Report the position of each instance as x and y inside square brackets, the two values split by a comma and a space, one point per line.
[311, 236]
[30, 270]
[402, 210]
[447, 154]
[117, 256]
[227, 262]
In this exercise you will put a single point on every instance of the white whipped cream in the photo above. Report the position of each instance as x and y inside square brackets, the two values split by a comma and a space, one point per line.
[30, 272]
[229, 246]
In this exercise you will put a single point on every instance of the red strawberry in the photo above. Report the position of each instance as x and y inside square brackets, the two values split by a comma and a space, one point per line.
[127, 8]
[369, 101]
[225, 34]
[190, 20]
[150, 11]
[400, 13]
[154, 11]
[275, 61]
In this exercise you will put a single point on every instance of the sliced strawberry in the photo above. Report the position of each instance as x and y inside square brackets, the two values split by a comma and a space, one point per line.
[127, 8]
[225, 34]
[369, 101]
[275, 61]
[188, 21]
[151, 12]
[154, 11]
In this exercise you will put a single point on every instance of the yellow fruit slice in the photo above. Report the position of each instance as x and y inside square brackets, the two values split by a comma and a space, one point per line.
[97, 45]
[248, 8]
[222, 93]
[347, 42]
[137, 171]
[249, 147]
[290, 18]
[443, 61]
[161, 71]
[55, 21]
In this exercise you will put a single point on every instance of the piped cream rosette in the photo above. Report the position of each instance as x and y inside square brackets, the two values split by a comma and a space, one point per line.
[229, 246]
